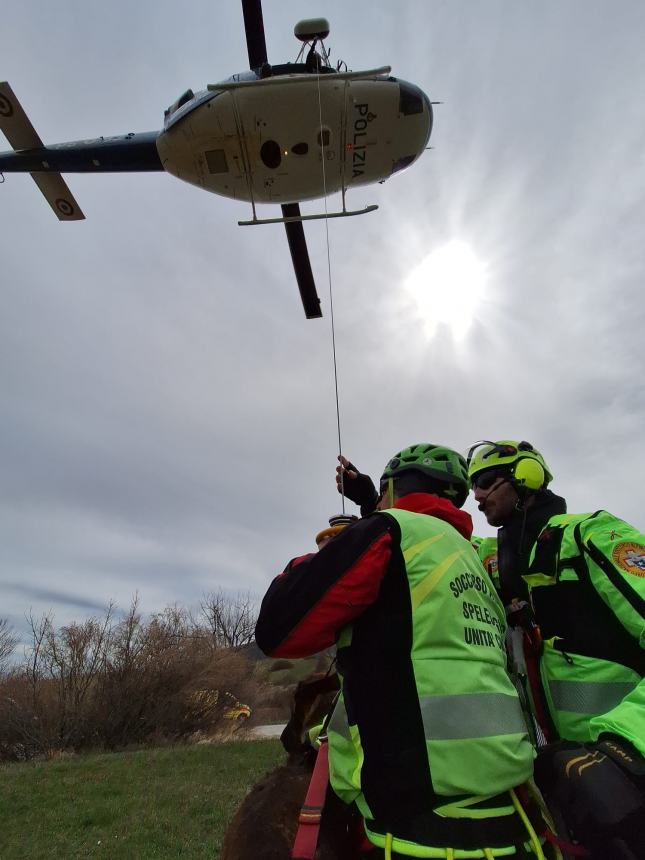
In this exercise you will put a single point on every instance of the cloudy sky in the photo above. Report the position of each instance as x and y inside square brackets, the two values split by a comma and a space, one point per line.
[168, 416]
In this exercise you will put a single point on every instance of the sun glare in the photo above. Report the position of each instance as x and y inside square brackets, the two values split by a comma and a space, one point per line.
[447, 286]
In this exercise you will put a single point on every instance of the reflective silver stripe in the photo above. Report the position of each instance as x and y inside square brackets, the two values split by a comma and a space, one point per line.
[471, 715]
[585, 698]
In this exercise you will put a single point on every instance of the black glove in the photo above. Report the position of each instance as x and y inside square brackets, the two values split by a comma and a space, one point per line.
[625, 755]
[599, 789]
[358, 488]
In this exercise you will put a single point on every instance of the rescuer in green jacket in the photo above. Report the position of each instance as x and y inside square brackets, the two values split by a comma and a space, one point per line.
[486, 549]
[574, 586]
[428, 738]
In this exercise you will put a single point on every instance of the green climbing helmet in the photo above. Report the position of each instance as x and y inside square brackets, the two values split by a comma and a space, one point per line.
[504, 454]
[437, 462]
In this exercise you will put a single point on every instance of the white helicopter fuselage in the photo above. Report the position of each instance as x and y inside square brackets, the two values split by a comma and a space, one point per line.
[293, 137]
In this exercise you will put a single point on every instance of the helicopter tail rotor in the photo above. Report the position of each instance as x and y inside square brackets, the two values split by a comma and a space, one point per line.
[301, 262]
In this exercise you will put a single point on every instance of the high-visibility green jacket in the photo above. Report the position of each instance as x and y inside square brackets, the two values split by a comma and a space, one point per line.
[587, 587]
[476, 741]
[429, 735]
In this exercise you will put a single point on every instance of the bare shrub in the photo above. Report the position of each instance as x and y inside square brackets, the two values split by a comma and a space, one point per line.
[76, 657]
[150, 665]
[53, 690]
[165, 678]
[8, 644]
[110, 682]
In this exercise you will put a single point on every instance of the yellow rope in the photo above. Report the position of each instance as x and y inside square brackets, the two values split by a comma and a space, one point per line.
[388, 846]
[535, 842]
[488, 853]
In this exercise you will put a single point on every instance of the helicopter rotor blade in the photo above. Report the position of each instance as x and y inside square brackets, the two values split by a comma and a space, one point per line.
[301, 263]
[254, 27]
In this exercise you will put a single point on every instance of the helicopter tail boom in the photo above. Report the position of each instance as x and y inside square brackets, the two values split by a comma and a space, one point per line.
[123, 154]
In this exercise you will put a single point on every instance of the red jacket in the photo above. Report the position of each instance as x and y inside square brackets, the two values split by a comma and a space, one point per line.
[318, 594]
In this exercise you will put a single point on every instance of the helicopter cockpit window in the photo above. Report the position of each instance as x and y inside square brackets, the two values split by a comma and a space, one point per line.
[300, 148]
[270, 154]
[216, 161]
[324, 137]
[410, 99]
[183, 98]
[402, 163]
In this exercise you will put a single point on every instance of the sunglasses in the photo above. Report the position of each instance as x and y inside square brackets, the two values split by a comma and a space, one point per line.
[487, 479]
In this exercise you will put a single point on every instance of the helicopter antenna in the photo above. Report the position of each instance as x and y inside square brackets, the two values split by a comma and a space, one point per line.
[312, 32]
[331, 298]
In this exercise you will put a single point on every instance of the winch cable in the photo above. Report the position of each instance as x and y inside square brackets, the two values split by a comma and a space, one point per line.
[331, 298]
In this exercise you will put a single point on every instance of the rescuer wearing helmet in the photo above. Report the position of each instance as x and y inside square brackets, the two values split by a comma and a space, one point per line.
[574, 586]
[428, 738]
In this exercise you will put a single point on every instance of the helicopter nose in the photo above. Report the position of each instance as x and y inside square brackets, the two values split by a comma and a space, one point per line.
[413, 101]
[430, 113]
[415, 124]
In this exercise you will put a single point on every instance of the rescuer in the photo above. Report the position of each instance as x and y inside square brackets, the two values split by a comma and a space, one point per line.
[428, 737]
[486, 548]
[574, 586]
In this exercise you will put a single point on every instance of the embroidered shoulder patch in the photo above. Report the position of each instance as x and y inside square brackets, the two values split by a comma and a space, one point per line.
[490, 563]
[630, 557]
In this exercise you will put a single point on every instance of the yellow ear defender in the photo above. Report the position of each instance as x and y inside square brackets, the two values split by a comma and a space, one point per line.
[529, 473]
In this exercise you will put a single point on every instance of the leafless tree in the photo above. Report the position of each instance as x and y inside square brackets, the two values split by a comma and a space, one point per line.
[75, 656]
[8, 643]
[26, 715]
[34, 668]
[229, 618]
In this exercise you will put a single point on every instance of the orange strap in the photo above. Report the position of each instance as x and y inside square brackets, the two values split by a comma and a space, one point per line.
[304, 846]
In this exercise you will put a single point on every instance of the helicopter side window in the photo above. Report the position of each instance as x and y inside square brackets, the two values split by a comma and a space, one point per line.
[410, 99]
[270, 154]
[300, 148]
[324, 137]
[216, 161]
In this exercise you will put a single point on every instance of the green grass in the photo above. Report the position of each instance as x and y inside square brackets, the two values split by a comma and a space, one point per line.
[172, 802]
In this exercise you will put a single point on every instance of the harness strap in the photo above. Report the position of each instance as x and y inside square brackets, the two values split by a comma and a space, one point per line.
[532, 652]
[568, 848]
[304, 845]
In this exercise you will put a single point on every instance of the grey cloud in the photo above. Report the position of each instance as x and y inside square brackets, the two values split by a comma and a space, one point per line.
[168, 417]
[48, 596]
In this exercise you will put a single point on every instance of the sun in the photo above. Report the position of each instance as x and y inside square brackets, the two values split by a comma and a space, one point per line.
[447, 287]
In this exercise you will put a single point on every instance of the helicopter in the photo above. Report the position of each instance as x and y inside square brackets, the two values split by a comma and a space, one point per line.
[278, 134]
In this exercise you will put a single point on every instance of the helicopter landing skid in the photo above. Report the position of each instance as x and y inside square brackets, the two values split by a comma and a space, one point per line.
[345, 213]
